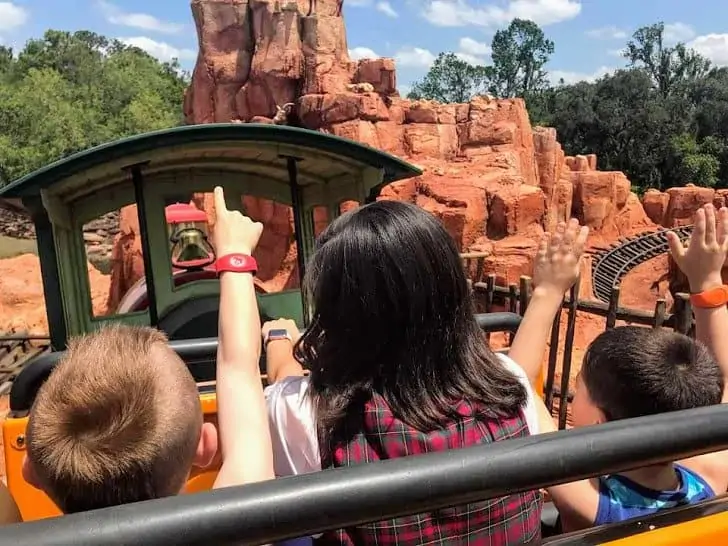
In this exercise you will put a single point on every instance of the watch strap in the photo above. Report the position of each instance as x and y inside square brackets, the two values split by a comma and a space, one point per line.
[276, 334]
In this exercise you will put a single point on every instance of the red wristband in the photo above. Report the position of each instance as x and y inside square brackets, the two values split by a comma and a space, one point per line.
[236, 263]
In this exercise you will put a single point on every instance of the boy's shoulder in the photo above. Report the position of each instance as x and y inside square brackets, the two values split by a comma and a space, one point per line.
[621, 498]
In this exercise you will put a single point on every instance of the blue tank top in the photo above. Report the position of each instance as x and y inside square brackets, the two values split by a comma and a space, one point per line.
[621, 498]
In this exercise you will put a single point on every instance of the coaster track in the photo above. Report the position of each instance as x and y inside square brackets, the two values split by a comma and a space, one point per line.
[16, 350]
[610, 265]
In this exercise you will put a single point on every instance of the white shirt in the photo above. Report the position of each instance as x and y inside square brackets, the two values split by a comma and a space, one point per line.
[293, 427]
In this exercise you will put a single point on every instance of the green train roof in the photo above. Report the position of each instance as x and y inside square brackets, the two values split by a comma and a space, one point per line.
[259, 146]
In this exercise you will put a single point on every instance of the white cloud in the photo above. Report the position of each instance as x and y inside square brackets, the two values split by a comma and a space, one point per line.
[473, 52]
[616, 52]
[573, 77]
[712, 46]
[677, 32]
[143, 21]
[387, 9]
[160, 50]
[357, 53]
[383, 6]
[470, 59]
[607, 33]
[12, 15]
[415, 57]
[468, 45]
[459, 13]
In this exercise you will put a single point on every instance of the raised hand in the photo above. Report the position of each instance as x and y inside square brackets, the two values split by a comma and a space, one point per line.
[234, 232]
[558, 260]
[703, 256]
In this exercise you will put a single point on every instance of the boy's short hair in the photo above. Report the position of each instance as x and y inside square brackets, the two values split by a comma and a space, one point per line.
[632, 371]
[118, 421]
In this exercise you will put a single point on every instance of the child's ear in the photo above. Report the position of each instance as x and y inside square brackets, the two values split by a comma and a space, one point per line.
[600, 417]
[29, 474]
[207, 447]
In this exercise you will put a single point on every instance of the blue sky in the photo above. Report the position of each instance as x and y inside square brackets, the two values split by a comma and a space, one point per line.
[588, 33]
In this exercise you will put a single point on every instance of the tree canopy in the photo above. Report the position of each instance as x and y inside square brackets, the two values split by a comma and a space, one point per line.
[69, 91]
[663, 119]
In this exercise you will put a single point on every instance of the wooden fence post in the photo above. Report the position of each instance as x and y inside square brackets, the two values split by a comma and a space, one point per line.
[513, 298]
[613, 308]
[553, 354]
[660, 312]
[683, 313]
[568, 348]
[524, 294]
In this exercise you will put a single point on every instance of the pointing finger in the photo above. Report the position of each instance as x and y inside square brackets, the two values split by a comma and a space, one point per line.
[220, 204]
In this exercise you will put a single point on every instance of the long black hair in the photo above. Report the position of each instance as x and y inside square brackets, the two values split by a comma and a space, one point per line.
[393, 316]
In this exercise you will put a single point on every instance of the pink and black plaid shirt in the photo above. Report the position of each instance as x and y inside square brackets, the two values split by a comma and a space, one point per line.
[506, 521]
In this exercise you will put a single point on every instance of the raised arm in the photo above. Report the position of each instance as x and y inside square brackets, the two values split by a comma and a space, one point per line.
[556, 268]
[702, 261]
[241, 412]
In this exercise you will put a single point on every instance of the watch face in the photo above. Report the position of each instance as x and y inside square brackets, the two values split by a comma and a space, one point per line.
[278, 334]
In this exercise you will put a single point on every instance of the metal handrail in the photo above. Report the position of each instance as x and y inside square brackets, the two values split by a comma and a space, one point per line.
[302, 505]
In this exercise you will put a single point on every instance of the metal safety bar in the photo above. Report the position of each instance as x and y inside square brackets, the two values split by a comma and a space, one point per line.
[199, 354]
[302, 505]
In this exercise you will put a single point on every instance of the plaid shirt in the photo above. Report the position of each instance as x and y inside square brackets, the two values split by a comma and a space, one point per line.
[506, 521]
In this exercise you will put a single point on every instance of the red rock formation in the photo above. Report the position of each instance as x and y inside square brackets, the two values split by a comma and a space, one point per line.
[22, 305]
[495, 182]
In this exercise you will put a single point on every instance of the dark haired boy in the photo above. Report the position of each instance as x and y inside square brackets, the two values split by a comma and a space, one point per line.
[631, 372]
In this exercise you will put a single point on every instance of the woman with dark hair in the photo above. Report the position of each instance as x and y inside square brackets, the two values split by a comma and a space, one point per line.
[398, 367]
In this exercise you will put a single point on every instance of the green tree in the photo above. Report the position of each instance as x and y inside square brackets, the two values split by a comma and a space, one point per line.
[450, 79]
[6, 61]
[519, 55]
[668, 66]
[696, 162]
[70, 91]
[625, 121]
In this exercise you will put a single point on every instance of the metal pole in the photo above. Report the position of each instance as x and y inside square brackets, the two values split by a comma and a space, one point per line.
[138, 181]
[297, 202]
